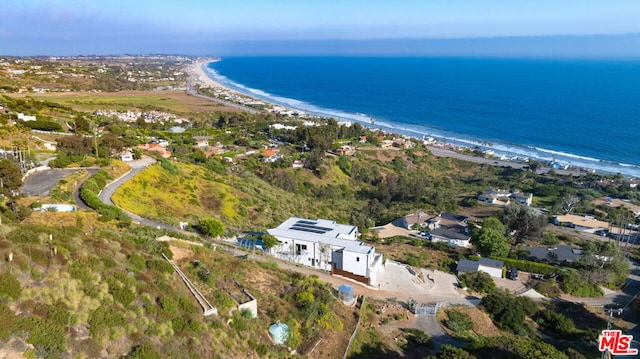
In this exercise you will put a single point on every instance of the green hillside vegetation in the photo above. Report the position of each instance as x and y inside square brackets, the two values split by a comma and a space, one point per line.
[109, 292]
[194, 193]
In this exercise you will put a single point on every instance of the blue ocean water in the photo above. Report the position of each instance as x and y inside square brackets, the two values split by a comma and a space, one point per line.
[581, 112]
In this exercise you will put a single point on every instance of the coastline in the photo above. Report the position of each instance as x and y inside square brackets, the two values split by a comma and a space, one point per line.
[200, 76]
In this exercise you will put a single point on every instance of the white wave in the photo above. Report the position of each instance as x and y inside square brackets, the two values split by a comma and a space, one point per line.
[501, 148]
[564, 154]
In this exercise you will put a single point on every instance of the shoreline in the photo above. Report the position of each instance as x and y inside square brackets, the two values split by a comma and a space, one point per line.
[198, 73]
[199, 76]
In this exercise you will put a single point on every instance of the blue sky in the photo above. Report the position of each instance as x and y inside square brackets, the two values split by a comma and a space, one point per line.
[29, 27]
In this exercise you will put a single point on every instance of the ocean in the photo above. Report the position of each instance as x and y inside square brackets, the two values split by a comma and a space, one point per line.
[583, 113]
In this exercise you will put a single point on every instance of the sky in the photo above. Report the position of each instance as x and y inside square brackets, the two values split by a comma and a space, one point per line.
[220, 27]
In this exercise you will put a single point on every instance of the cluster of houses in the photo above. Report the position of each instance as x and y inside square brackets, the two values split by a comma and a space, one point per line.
[148, 117]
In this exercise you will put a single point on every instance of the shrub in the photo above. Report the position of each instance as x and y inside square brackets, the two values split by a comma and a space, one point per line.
[508, 311]
[146, 350]
[137, 262]
[556, 323]
[480, 282]
[548, 288]
[458, 322]
[419, 337]
[160, 265]
[47, 338]
[578, 285]
[168, 304]
[9, 286]
[212, 227]
[105, 317]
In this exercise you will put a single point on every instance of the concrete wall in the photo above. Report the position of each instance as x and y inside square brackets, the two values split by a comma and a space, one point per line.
[355, 263]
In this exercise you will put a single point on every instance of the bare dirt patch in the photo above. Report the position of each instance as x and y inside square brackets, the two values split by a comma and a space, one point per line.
[180, 253]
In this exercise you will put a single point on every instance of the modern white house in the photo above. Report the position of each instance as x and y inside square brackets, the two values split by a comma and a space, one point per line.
[327, 245]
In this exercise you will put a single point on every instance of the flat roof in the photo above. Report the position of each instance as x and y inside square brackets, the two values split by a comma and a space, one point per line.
[587, 222]
[321, 231]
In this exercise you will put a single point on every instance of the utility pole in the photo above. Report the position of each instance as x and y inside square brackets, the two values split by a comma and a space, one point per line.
[610, 312]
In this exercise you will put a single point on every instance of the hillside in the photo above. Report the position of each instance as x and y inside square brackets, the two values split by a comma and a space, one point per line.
[94, 290]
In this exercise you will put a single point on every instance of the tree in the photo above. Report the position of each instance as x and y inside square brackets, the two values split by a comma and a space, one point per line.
[493, 223]
[75, 145]
[569, 201]
[212, 227]
[10, 177]
[492, 243]
[269, 241]
[111, 144]
[81, 125]
[137, 153]
[524, 222]
[508, 311]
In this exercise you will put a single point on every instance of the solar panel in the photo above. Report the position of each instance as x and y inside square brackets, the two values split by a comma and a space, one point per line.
[302, 221]
[307, 229]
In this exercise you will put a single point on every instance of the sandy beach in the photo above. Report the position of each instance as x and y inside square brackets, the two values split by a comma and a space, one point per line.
[199, 76]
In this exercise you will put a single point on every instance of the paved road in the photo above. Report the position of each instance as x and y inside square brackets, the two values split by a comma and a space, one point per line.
[40, 183]
[136, 167]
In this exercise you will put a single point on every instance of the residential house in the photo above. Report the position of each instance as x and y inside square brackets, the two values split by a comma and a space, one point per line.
[25, 118]
[617, 203]
[491, 266]
[270, 155]
[495, 196]
[450, 237]
[449, 221]
[561, 254]
[327, 245]
[155, 147]
[580, 223]
[454, 222]
[201, 143]
[386, 144]
[411, 221]
[126, 155]
[345, 150]
[504, 197]
[522, 198]
[402, 143]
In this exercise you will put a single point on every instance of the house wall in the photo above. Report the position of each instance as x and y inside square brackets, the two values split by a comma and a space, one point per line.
[494, 272]
[355, 263]
[251, 305]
